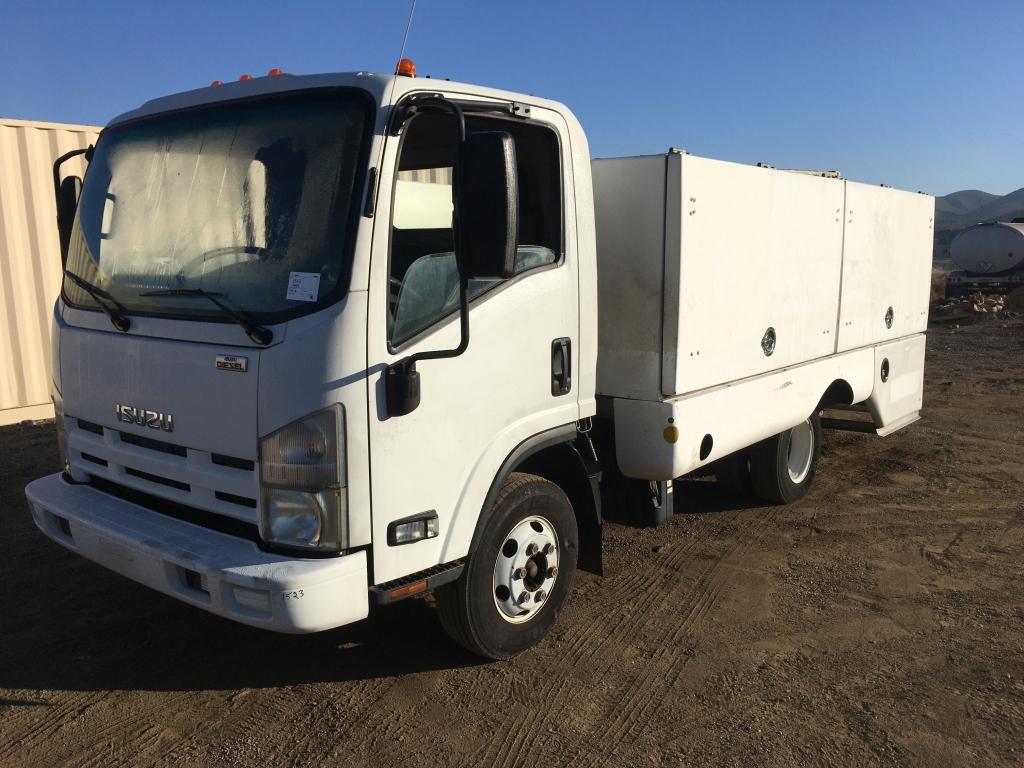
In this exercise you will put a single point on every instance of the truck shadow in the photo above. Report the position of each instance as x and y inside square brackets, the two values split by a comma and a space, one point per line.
[148, 641]
[691, 496]
[68, 624]
[704, 496]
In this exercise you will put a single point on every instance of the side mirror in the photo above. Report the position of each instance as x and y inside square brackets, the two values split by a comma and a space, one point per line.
[67, 202]
[487, 205]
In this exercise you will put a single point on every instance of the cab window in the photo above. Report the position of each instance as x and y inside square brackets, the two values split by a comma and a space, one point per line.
[423, 282]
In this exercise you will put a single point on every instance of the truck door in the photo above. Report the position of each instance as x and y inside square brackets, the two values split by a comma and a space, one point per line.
[515, 379]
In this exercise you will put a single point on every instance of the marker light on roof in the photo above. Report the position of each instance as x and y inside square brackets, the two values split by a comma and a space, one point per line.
[216, 82]
[275, 72]
[406, 68]
[245, 77]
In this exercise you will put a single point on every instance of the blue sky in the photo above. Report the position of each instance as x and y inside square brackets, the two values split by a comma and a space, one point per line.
[920, 95]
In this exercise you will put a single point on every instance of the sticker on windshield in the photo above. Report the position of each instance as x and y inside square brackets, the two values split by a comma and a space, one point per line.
[303, 286]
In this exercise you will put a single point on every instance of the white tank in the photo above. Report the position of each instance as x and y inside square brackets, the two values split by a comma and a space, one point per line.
[989, 249]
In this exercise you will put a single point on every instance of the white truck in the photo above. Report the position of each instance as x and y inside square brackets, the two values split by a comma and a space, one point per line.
[326, 342]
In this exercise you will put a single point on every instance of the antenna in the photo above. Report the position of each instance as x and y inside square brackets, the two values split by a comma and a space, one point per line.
[408, 27]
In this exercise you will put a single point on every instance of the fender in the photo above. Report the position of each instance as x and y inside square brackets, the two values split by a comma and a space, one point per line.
[552, 454]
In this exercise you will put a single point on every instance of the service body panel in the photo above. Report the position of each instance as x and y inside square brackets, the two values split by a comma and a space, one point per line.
[714, 275]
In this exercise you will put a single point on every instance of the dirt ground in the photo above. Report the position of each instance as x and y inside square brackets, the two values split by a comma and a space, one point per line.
[878, 621]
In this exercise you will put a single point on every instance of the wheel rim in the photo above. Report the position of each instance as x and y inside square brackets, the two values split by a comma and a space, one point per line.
[801, 451]
[525, 570]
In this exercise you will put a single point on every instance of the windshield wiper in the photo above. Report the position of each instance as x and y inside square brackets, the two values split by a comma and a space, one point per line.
[254, 331]
[116, 316]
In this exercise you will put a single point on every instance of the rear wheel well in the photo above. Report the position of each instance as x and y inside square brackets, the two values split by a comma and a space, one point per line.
[839, 392]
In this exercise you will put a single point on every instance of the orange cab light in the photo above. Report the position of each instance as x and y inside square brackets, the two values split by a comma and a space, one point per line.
[245, 77]
[275, 72]
[216, 82]
[406, 68]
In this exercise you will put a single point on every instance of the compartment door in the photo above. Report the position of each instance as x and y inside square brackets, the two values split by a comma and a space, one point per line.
[887, 263]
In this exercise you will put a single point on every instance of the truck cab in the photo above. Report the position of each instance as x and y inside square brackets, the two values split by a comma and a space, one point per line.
[277, 246]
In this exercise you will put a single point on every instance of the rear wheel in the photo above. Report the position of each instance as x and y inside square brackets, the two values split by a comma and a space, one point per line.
[518, 578]
[782, 467]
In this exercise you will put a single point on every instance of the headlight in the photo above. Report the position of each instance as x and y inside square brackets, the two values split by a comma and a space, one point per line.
[303, 484]
[58, 422]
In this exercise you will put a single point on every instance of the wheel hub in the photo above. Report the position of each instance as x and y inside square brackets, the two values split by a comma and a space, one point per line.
[525, 569]
[801, 451]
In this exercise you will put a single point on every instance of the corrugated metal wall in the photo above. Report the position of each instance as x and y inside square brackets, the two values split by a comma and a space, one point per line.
[30, 265]
[428, 175]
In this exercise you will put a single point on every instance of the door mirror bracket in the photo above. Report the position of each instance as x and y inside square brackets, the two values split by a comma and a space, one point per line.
[66, 192]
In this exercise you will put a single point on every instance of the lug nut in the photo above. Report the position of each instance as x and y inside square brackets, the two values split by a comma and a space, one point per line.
[523, 596]
[531, 549]
[539, 597]
[549, 548]
[552, 571]
[518, 574]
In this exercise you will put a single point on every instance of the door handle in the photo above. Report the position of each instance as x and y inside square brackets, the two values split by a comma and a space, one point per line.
[561, 366]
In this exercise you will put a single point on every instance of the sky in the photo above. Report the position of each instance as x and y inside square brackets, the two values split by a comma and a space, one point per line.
[920, 94]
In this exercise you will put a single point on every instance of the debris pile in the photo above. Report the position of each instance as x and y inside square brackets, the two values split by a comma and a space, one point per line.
[979, 306]
[979, 302]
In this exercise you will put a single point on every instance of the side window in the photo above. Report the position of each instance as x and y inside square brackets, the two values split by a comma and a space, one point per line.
[423, 284]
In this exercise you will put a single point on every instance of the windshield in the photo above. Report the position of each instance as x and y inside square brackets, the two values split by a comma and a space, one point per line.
[251, 200]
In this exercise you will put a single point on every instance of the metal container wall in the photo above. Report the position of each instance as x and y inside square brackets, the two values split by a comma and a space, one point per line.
[30, 265]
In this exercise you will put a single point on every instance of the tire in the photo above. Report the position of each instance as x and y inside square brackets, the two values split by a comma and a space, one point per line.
[475, 610]
[782, 467]
[733, 474]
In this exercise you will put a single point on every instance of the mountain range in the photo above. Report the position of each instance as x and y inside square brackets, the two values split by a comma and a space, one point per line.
[969, 206]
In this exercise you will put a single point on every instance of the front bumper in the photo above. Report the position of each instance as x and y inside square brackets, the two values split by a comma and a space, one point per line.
[225, 575]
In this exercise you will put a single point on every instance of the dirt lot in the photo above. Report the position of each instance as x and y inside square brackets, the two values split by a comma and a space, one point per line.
[878, 621]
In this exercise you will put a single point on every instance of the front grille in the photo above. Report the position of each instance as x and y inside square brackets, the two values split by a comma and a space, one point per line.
[156, 479]
[231, 498]
[200, 517]
[219, 485]
[231, 461]
[153, 445]
[88, 426]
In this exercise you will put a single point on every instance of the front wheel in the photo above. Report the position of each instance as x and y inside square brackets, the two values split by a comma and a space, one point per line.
[782, 467]
[518, 578]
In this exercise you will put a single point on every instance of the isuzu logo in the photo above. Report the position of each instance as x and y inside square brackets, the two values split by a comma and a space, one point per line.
[129, 414]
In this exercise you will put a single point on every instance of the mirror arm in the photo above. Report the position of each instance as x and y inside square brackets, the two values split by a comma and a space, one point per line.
[401, 379]
[417, 104]
[410, 361]
[63, 159]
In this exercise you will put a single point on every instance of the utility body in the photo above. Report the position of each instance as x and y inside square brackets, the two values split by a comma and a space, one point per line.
[330, 341]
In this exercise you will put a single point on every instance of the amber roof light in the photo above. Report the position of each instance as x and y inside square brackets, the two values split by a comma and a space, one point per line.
[406, 68]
